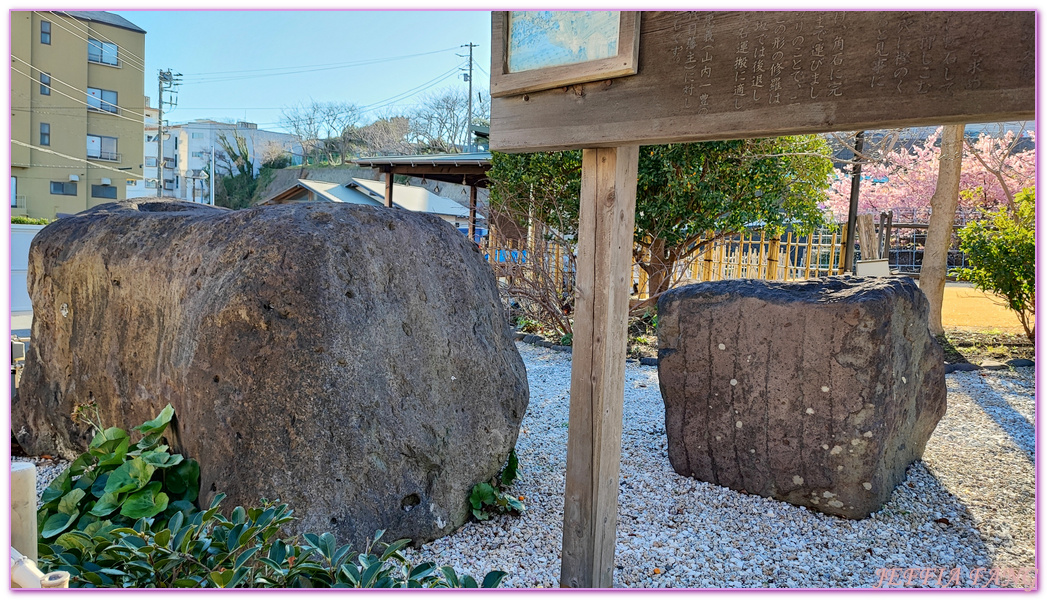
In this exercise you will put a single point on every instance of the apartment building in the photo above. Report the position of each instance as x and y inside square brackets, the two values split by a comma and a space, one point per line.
[77, 81]
[188, 146]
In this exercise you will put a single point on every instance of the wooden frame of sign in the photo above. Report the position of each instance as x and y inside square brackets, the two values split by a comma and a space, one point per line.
[729, 75]
[505, 83]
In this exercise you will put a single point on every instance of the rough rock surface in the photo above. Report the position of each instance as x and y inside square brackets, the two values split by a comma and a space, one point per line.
[351, 361]
[818, 393]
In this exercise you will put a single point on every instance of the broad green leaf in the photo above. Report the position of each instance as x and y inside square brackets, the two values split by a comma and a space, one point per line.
[450, 575]
[468, 582]
[163, 537]
[113, 433]
[157, 459]
[369, 575]
[187, 583]
[69, 504]
[118, 456]
[145, 503]
[393, 548]
[58, 488]
[81, 464]
[130, 476]
[74, 539]
[492, 579]
[56, 523]
[98, 487]
[159, 423]
[245, 556]
[106, 505]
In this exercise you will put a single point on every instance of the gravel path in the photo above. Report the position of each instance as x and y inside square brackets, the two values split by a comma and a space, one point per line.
[970, 504]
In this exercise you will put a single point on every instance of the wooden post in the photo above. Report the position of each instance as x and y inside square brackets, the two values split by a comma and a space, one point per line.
[472, 213]
[594, 441]
[389, 189]
[772, 259]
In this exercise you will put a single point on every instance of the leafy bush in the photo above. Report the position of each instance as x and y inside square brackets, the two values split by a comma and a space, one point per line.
[114, 484]
[207, 550]
[130, 533]
[489, 497]
[23, 220]
[1001, 250]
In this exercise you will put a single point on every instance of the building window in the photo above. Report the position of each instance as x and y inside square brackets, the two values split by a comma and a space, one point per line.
[131, 182]
[102, 148]
[150, 138]
[178, 182]
[198, 154]
[98, 99]
[14, 191]
[63, 188]
[45, 134]
[101, 52]
[150, 184]
[45, 84]
[150, 161]
[45, 32]
[103, 191]
[197, 136]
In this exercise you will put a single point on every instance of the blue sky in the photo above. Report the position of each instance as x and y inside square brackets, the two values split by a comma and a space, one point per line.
[309, 55]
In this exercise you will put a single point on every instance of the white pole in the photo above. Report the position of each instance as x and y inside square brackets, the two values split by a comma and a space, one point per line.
[23, 508]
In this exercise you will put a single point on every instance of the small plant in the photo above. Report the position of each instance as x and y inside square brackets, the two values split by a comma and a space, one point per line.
[23, 220]
[207, 550]
[129, 533]
[528, 325]
[490, 497]
[1001, 250]
[567, 340]
[114, 484]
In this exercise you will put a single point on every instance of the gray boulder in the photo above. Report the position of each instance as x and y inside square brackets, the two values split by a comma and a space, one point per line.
[818, 393]
[351, 361]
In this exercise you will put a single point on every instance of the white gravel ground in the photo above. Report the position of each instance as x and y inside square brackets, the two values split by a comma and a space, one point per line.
[969, 504]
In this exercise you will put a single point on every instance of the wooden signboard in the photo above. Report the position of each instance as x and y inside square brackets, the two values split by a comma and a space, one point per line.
[537, 53]
[732, 75]
[709, 76]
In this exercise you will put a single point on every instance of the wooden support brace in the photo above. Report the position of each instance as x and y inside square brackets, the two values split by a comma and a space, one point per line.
[594, 443]
[388, 189]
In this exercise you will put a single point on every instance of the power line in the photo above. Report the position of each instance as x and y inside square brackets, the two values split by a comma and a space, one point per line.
[53, 78]
[83, 160]
[413, 91]
[316, 67]
[80, 101]
[76, 22]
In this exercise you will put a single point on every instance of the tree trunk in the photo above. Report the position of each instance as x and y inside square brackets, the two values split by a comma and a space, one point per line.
[939, 229]
[658, 276]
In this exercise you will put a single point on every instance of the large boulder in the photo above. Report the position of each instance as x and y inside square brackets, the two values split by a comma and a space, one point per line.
[819, 393]
[349, 360]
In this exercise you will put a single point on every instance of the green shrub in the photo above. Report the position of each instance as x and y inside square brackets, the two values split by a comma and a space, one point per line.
[129, 533]
[23, 220]
[1001, 252]
[489, 497]
[114, 484]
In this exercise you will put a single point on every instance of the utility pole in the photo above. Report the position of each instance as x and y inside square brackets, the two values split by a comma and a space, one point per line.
[469, 77]
[852, 210]
[166, 81]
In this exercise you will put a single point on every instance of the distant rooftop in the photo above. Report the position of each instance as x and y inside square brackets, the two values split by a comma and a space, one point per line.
[480, 159]
[100, 16]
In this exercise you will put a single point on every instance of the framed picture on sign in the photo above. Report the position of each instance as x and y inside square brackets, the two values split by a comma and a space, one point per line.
[541, 50]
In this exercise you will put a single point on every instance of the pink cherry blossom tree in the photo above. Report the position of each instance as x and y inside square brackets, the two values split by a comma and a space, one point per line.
[992, 172]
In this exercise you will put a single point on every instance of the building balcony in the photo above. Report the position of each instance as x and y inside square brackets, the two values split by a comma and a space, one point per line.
[106, 156]
[18, 202]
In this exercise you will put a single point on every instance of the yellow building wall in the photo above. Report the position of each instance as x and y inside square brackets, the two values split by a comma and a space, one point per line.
[67, 113]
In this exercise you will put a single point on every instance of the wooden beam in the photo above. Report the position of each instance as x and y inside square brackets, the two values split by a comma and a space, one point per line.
[715, 75]
[472, 213]
[427, 170]
[594, 444]
[388, 189]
